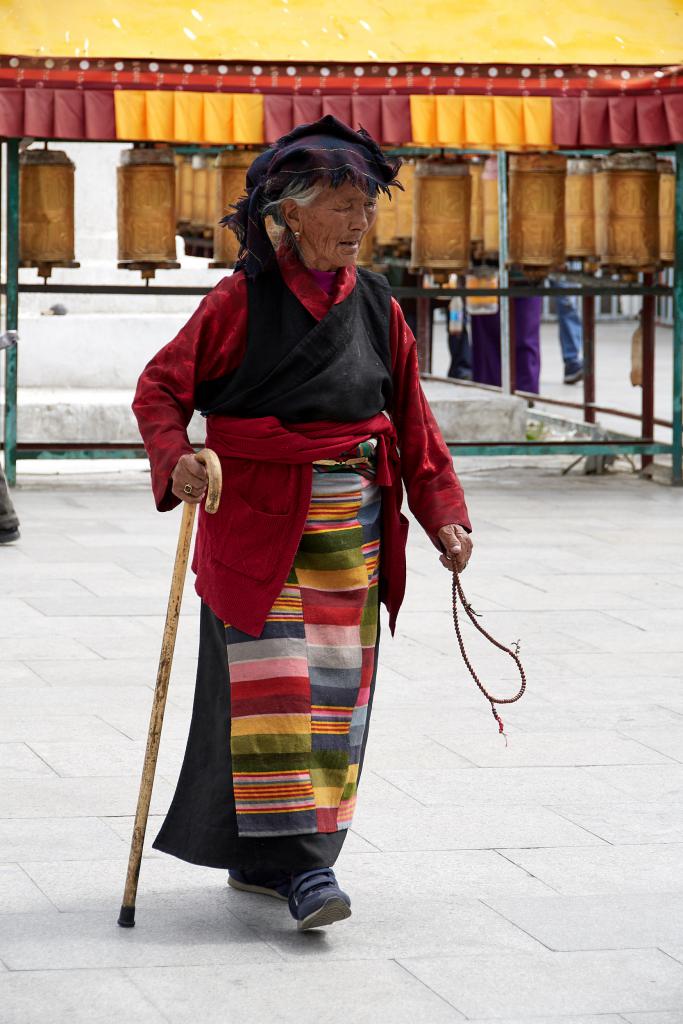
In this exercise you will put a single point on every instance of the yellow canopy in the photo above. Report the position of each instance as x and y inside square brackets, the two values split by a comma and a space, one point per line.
[627, 32]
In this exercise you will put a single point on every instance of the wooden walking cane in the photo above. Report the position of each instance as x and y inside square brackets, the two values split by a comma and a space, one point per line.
[213, 497]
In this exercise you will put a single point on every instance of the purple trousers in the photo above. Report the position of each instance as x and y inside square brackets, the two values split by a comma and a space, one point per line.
[486, 345]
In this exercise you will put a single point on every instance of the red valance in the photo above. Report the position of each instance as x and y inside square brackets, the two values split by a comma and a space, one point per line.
[57, 114]
[617, 121]
[386, 118]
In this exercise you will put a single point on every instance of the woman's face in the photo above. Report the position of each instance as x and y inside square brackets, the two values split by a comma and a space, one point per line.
[331, 228]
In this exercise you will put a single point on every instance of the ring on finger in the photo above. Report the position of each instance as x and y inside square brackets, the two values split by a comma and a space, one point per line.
[188, 488]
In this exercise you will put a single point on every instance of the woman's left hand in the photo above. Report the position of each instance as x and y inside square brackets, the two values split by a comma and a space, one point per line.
[457, 544]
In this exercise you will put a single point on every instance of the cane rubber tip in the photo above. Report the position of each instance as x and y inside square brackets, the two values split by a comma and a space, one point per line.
[127, 917]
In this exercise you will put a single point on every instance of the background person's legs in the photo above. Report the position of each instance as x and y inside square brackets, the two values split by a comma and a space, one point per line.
[571, 338]
[9, 524]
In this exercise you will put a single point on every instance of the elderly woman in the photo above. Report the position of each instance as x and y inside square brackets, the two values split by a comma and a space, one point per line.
[307, 374]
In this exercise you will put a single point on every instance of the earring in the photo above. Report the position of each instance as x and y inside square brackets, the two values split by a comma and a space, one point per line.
[297, 234]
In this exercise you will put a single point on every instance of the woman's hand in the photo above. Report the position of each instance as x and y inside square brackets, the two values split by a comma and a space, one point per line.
[457, 545]
[190, 479]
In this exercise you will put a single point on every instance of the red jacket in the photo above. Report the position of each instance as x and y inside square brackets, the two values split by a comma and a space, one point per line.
[271, 476]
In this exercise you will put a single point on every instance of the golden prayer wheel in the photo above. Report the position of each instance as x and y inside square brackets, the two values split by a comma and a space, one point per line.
[403, 201]
[579, 210]
[183, 192]
[627, 212]
[385, 224]
[441, 231]
[231, 172]
[46, 210]
[146, 211]
[537, 183]
[477, 207]
[203, 216]
[667, 204]
[489, 188]
[366, 252]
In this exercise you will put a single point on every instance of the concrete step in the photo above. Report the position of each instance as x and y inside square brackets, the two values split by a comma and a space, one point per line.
[468, 414]
[93, 350]
[100, 415]
[82, 416]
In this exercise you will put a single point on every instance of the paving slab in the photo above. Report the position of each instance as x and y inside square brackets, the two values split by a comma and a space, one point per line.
[546, 984]
[19, 894]
[628, 821]
[580, 747]
[51, 796]
[74, 997]
[606, 869]
[294, 993]
[73, 839]
[599, 922]
[187, 930]
[516, 785]
[382, 929]
[456, 827]
[18, 761]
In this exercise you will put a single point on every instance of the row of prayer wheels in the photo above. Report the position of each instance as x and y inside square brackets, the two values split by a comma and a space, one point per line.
[617, 212]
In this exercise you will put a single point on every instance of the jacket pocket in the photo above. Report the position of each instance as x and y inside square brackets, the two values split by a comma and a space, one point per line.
[247, 540]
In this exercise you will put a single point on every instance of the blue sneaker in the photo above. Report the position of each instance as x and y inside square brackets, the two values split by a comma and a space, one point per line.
[275, 884]
[315, 899]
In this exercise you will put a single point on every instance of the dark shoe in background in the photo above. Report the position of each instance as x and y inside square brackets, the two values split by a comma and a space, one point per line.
[575, 377]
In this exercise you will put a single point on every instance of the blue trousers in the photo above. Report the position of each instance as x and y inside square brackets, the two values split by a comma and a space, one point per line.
[571, 332]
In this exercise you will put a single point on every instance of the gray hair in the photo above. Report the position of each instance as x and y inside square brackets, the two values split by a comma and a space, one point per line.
[303, 195]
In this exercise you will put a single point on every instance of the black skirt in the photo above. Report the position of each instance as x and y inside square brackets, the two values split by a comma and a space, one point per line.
[201, 825]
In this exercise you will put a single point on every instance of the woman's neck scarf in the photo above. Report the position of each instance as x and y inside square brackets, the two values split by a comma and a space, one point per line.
[326, 151]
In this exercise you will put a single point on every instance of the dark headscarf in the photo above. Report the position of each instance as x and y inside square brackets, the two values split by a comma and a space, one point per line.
[324, 151]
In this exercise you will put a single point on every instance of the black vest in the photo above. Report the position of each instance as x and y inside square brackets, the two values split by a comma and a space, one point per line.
[299, 369]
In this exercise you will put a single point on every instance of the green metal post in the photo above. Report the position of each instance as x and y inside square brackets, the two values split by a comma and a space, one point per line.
[504, 301]
[12, 309]
[677, 441]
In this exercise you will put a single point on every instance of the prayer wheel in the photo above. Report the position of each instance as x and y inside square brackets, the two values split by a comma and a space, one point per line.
[394, 222]
[204, 199]
[477, 209]
[403, 201]
[667, 214]
[385, 224]
[146, 211]
[627, 213]
[441, 232]
[579, 211]
[183, 192]
[536, 205]
[366, 252]
[46, 210]
[231, 171]
[489, 189]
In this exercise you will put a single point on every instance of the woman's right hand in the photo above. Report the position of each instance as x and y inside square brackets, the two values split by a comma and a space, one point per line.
[189, 473]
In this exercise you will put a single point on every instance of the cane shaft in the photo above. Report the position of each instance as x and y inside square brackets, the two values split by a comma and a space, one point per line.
[157, 715]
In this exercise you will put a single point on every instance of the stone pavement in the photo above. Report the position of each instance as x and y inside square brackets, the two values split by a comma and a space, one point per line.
[540, 882]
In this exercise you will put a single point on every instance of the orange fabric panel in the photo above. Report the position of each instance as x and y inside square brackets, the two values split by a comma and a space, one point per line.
[248, 118]
[218, 117]
[159, 110]
[479, 122]
[538, 120]
[450, 120]
[423, 118]
[508, 117]
[188, 117]
[130, 114]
